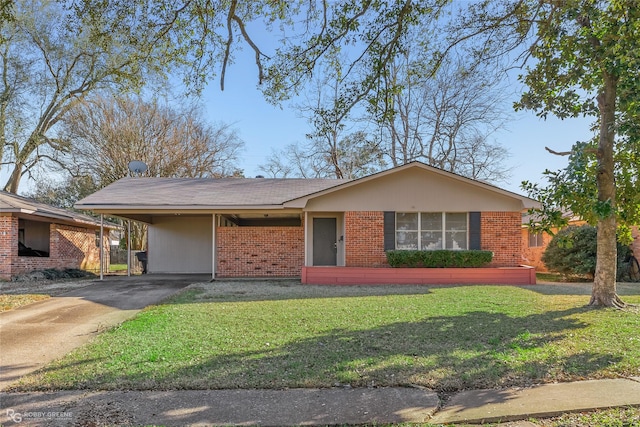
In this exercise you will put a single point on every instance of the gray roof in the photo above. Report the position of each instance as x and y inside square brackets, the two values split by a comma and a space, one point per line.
[204, 192]
[12, 203]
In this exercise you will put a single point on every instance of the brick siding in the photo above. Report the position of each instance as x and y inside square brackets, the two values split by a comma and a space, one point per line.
[532, 255]
[364, 239]
[8, 245]
[259, 251]
[69, 247]
[501, 234]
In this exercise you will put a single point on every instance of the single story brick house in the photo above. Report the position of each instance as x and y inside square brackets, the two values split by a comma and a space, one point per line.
[36, 236]
[258, 227]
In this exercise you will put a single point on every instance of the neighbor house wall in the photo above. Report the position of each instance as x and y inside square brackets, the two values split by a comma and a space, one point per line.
[259, 251]
[8, 245]
[70, 247]
[532, 255]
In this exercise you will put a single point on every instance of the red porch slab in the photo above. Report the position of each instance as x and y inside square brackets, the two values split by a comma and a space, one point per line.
[523, 275]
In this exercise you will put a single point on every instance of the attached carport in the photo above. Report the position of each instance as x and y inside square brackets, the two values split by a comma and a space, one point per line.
[185, 216]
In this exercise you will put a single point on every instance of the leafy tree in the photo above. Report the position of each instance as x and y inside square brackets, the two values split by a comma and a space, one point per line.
[587, 55]
[573, 250]
[53, 54]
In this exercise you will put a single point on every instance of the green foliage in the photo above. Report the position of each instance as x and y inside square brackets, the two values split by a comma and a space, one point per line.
[574, 190]
[439, 259]
[572, 252]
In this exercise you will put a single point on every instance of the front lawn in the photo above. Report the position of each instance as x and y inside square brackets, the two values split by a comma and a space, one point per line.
[253, 335]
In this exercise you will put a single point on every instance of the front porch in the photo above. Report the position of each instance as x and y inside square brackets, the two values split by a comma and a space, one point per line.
[522, 275]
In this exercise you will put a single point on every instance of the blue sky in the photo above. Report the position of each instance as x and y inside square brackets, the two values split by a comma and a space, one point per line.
[263, 126]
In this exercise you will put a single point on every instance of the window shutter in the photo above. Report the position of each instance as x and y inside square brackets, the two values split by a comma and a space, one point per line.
[389, 231]
[475, 240]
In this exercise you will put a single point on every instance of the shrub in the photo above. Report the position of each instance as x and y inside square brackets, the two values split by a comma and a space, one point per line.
[438, 259]
[572, 252]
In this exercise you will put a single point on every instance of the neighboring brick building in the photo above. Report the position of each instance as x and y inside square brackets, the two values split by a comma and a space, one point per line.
[36, 236]
[238, 227]
[534, 244]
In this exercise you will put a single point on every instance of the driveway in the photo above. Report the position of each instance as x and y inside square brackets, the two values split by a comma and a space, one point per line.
[36, 334]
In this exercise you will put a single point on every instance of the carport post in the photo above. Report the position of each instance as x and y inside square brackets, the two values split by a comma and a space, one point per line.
[101, 246]
[213, 247]
[128, 247]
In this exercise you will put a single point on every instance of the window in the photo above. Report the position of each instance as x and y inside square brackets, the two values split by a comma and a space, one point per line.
[33, 238]
[431, 230]
[535, 239]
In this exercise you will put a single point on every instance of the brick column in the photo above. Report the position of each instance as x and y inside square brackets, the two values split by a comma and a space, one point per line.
[8, 245]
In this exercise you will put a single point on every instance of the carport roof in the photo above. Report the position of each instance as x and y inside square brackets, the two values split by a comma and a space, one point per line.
[203, 193]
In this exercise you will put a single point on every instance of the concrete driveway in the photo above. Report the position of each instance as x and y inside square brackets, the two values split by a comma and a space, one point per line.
[36, 334]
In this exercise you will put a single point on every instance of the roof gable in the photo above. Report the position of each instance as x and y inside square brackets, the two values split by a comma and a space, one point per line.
[414, 187]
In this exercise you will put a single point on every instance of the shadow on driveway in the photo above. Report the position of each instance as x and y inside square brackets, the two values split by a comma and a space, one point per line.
[36, 334]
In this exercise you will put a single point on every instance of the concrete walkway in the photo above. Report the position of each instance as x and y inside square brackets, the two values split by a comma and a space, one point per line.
[339, 406]
[34, 335]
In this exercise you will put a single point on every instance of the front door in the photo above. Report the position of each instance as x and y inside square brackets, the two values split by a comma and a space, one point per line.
[324, 241]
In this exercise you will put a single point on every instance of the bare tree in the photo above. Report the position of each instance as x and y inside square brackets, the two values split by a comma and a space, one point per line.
[444, 119]
[337, 146]
[106, 133]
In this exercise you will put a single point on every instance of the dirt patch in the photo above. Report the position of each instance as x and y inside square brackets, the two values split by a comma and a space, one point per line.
[46, 287]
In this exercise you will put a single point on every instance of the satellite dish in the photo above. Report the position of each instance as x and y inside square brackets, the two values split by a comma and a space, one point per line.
[136, 166]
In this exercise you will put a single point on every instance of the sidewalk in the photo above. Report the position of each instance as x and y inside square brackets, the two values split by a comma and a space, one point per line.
[312, 406]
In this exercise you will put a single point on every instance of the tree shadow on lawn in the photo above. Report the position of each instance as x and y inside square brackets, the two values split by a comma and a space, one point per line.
[623, 288]
[475, 350]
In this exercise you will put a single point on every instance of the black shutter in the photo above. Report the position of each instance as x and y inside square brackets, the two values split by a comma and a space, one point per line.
[475, 239]
[389, 231]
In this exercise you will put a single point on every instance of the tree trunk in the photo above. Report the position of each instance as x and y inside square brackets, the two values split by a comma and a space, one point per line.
[604, 283]
[14, 180]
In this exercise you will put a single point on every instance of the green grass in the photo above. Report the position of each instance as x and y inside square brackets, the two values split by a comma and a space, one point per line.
[117, 267]
[276, 336]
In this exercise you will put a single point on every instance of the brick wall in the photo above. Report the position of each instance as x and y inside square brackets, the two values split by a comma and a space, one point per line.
[8, 245]
[364, 239]
[501, 234]
[70, 247]
[533, 255]
[259, 251]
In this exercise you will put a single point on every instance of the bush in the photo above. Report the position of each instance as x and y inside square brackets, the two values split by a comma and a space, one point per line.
[54, 274]
[572, 253]
[438, 259]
